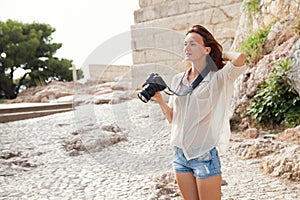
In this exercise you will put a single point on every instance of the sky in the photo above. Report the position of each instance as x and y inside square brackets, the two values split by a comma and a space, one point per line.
[81, 25]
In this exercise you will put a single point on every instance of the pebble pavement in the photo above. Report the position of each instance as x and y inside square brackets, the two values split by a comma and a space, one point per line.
[43, 169]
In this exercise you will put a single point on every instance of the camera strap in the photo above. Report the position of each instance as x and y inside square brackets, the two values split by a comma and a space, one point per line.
[196, 82]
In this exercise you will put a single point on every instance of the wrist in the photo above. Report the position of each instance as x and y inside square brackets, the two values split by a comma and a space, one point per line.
[159, 100]
[226, 56]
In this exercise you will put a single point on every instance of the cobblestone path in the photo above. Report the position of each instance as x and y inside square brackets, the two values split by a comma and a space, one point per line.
[35, 164]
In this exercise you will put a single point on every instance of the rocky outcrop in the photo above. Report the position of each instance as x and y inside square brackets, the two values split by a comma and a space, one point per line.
[291, 135]
[278, 154]
[258, 148]
[269, 11]
[280, 44]
[94, 138]
[285, 165]
[91, 92]
[294, 73]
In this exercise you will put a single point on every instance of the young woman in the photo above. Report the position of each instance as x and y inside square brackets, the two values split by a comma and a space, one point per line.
[200, 121]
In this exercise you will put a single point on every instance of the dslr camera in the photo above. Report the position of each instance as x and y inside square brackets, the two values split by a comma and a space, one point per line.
[154, 83]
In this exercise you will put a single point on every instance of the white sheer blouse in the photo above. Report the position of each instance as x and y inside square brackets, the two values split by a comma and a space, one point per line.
[200, 119]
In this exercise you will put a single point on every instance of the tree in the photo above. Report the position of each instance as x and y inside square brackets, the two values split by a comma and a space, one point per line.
[29, 47]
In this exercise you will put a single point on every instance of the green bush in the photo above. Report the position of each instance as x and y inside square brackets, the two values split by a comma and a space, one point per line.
[252, 6]
[253, 46]
[276, 102]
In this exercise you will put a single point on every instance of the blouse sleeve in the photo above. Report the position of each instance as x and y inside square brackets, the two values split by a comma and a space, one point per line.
[231, 72]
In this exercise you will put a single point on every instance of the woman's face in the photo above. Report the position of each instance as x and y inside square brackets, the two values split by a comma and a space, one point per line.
[194, 48]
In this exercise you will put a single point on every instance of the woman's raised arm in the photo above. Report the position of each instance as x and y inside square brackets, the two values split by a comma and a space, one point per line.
[236, 58]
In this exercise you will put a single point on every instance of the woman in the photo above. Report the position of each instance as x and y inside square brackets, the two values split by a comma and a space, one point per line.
[200, 120]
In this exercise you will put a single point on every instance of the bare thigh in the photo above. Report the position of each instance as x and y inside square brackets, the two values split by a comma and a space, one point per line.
[209, 188]
[187, 185]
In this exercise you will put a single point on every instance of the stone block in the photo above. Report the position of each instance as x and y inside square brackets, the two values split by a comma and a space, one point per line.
[145, 29]
[176, 17]
[144, 14]
[107, 72]
[251, 133]
[227, 2]
[174, 8]
[225, 30]
[179, 23]
[161, 10]
[196, 5]
[207, 17]
[165, 69]
[138, 56]
[233, 10]
[226, 43]
[147, 3]
[140, 73]
[143, 42]
[159, 1]
[219, 16]
[166, 40]
[154, 55]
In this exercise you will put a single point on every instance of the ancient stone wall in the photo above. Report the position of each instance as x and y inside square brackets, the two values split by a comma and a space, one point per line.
[160, 25]
[107, 73]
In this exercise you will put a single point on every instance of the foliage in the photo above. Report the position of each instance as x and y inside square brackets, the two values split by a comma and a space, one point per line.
[29, 47]
[252, 6]
[253, 46]
[276, 102]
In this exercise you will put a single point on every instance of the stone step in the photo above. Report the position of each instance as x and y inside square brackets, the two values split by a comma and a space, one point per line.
[8, 117]
[13, 112]
[26, 107]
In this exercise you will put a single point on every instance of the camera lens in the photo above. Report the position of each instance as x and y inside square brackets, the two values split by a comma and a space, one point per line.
[144, 99]
[153, 84]
[146, 94]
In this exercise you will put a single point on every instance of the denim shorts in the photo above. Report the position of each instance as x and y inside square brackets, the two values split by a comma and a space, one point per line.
[205, 166]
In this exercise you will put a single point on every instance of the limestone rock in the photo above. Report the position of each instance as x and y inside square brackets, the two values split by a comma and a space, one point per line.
[247, 84]
[251, 133]
[285, 165]
[257, 148]
[294, 73]
[93, 138]
[291, 135]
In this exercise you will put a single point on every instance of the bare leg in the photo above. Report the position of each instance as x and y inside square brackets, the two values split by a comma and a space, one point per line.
[209, 188]
[187, 185]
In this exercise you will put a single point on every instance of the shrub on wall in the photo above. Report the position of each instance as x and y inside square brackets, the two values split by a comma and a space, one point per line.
[253, 46]
[252, 6]
[276, 102]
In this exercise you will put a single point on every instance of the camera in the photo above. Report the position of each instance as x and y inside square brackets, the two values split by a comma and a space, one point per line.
[154, 83]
